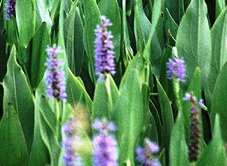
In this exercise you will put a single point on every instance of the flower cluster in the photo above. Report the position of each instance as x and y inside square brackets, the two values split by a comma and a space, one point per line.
[55, 79]
[104, 54]
[105, 146]
[71, 140]
[194, 139]
[146, 155]
[10, 9]
[176, 67]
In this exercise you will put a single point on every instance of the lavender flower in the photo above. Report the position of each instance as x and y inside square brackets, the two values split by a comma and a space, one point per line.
[71, 140]
[146, 155]
[105, 146]
[176, 67]
[194, 139]
[10, 9]
[55, 80]
[104, 54]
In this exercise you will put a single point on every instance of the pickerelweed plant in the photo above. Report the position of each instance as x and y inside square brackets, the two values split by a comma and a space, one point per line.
[119, 74]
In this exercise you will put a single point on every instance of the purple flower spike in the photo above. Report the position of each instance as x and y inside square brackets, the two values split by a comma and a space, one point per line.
[105, 146]
[10, 9]
[146, 155]
[176, 67]
[55, 80]
[104, 54]
[70, 142]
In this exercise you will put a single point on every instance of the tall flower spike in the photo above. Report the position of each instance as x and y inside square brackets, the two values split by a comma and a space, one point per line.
[176, 67]
[194, 138]
[55, 80]
[105, 146]
[146, 155]
[10, 9]
[70, 142]
[104, 54]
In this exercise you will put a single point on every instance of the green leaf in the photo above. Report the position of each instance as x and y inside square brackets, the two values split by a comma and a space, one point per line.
[166, 113]
[178, 147]
[219, 102]
[39, 153]
[50, 140]
[43, 13]
[13, 149]
[176, 9]
[38, 54]
[220, 5]
[129, 111]
[73, 37]
[112, 11]
[18, 93]
[91, 19]
[152, 50]
[48, 123]
[105, 96]
[215, 153]
[194, 40]
[26, 18]
[127, 50]
[79, 100]
[170, 28]
[142, 26]
[219, 50]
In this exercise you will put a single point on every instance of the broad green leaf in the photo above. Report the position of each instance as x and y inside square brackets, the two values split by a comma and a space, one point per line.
[219, 50]
[13, 149]
[219, 102]
[79, 100]
[111, 9]
[42, 13]
[176, 9]
[220, 5]
[127, 50]
[194, 40]
[129, 111]
[18, 93]
[178, 147]
[50, 140]
[73, 37]
[142, 26]
[49, 124]
[166, 114]
[152, 50]
[91, 19]
[39, 153]
[105, 96]
[215, 153]
[12, 31]
[38, 54]
[26, 19]
[170, 28]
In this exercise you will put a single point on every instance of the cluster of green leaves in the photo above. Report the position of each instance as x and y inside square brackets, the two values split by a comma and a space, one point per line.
[139, 98]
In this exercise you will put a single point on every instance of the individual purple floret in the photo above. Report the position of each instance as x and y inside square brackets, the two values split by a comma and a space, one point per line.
[10, 9]
[104, 54]
[70, 142]
[146, 155]
[55, 80]
[192, 98]
[105, 146]
[176, 67]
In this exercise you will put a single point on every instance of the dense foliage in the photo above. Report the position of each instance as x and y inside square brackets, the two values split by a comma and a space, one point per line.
[113, 82]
